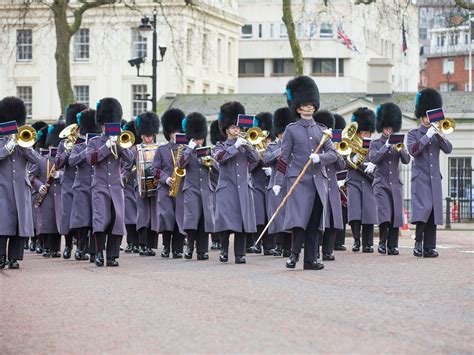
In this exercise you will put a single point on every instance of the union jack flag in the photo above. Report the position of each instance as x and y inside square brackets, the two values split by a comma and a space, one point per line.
[346, 40]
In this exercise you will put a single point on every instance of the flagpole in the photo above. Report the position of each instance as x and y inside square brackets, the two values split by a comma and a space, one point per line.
[470, 53]
[337, 66]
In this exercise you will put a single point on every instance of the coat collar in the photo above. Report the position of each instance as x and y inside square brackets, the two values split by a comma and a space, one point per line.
[230, 141]
[423, 129]
[306, 123]
[383, 138]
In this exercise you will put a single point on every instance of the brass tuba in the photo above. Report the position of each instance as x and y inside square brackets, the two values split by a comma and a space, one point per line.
[178, 174]
[355, 145]
[26, 136]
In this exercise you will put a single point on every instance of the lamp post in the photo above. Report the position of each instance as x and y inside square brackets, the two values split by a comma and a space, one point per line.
[145, 27]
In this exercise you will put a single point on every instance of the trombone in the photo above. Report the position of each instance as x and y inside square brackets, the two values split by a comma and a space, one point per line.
[126, 140]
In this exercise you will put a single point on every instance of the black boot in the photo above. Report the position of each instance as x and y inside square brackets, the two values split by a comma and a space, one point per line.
[430, 253]
[286, 253]
[135, 249]
[328, 257]
[67, 253]
[339, 247]
[166, 252]
[312, 265]
[292, 260]
[240, 259]
[215, 246]
[47, 253]
[25, 244]
[177, 255]
[80, 255]
[202, 256]
[151, 252]
[382, 249]
[92, 258]
[3, 261]
[129, 248]
[367, 249]
[55, 254]
[99, 258]
[418, 249]
[277, 251]
[13, 264]
[32, 246]
[39, 249]
[356, 246]
[189, 253]
[112, 262]
[224, 255]
[143, 250]
[392, 251]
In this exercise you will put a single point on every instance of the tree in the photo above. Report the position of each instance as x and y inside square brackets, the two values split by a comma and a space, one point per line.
[294, 43]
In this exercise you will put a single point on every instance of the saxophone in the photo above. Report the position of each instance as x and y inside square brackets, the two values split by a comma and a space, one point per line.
[178, 174]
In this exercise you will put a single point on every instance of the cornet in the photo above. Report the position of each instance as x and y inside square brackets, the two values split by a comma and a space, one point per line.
[26, 136]
[445, 126]
[125, 140]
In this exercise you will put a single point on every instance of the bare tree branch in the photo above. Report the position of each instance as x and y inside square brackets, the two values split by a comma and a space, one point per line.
[464, 4]
[86, 5]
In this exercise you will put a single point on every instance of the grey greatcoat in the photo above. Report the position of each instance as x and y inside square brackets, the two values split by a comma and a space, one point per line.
[270, 159]
[198, 192]
[426, 190]
[15, 190]
[334, 209]
[361, 203]
[129, 177]
[387, 185]
[235, 210]
[67, 193]
[171, 209]
[300, 140]
[107, 185]
[81, 211]
[260, 183]
[49, 212]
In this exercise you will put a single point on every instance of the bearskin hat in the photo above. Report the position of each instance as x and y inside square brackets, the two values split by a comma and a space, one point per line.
[216, 135]
[71, 112]
[86, 122]
[388, 115]
[325, 118]
[195, 126]
[340, 122]
[132, 127]
[109, 110]
[300, 91]
[282, 118]
[147, 124]
[228, 115]
[171, 121]
[365, 119]
[53, 134]
[37, 125]
[427, 99]
[12, 109]
[265, 122]
[42, 136]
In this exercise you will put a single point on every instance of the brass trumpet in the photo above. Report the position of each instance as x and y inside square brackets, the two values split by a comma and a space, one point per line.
[126, 139]
[445, 126]
[26, 136]
[399, 146]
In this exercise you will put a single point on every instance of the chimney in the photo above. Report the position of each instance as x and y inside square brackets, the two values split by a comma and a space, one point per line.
[378, 76]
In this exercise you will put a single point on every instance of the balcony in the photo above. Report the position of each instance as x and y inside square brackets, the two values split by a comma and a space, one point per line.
[448, 50]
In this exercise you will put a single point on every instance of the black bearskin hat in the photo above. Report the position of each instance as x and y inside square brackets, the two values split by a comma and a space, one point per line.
[389, 115]
[71, 112]
[12, 109]
[427, 99]
[171, 121]
[325, 118]
[53, 134]
[228, 115]
[265, 122]
[147, 124]
[87, 123]
[42, 136]
[282, 118]
[132, 127]
[365, 119]
[195, 126]
[301, 90]
[216, 135]
[37, 125]
[109, 110]
[340, 122]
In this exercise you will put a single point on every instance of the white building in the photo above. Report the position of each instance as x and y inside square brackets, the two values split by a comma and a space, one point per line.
[379, 65]
[202, 46]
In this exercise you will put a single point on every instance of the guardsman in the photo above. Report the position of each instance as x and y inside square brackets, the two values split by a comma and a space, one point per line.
[424, 145]
[108, 205]
[198, 193]
[17, 217]
[387, 185]
[216, 137]
[304, 210]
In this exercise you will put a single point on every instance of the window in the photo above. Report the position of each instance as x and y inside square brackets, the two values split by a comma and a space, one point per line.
[139, 105]
[299, 30]
[246, 32]
[25, 93]
[448, 66]
[313, 27]
[189, 44]
[326, 30]
[283, 31]
[461, 187]
[327, 67]
[444, 87]
[139, 45]
[272, 30]
[283, 67]
[251, 67]
[81, 92]
[260, 30]
[453, 39]
[440, 40]
[205, 49]
[423, 33]
[24, 45]
[81, 44]
[219, 53]
[466, 38]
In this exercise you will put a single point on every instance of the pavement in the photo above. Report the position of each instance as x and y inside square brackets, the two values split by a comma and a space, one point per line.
[360, 303]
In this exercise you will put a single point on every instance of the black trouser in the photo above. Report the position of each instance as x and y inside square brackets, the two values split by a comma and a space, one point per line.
[40, 241]
[147, 238]
[268, 240]
[199, 236]
[389, 234]
[132, 234]
[341, 234]
[92, 248]
[309, 236]
[15, 247]
[283, 239]
[174, 239]
[68, 237]
[426, 232]
[53, 241]
[108, 241]
[367, 232]
[329, 236]
[215, 237]
[82, 240]
[240, 241]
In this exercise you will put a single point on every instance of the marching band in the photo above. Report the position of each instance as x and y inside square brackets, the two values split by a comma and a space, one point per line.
[278, 182]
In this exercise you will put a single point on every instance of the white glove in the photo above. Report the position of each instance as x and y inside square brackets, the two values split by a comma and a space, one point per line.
[370, 168]
[355, 158]
[192, 144]
[387, 144]
[431, 132]
[240, 141]
[267, 171]
[276, 189]
[108, 143]
[43, 189]
[114, 138]
[55, 174]
[11, 144]
[315, 158]
[169, 181]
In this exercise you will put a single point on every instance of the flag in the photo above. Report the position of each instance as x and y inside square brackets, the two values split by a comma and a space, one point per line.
[180, 138]
[346, 40]
[396, 138]
[203, 152]
[435, 115]
[8, 128]
[404, 40]
[113, 129]
[366, 143]
[336, 135]
[245, 121]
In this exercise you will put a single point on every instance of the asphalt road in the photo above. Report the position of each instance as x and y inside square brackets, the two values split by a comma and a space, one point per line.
[360, 303]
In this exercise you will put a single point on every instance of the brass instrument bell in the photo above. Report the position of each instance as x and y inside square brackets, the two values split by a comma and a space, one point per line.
[26, 136]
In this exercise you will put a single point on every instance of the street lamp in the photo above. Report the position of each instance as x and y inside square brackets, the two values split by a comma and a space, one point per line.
[145, 27]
